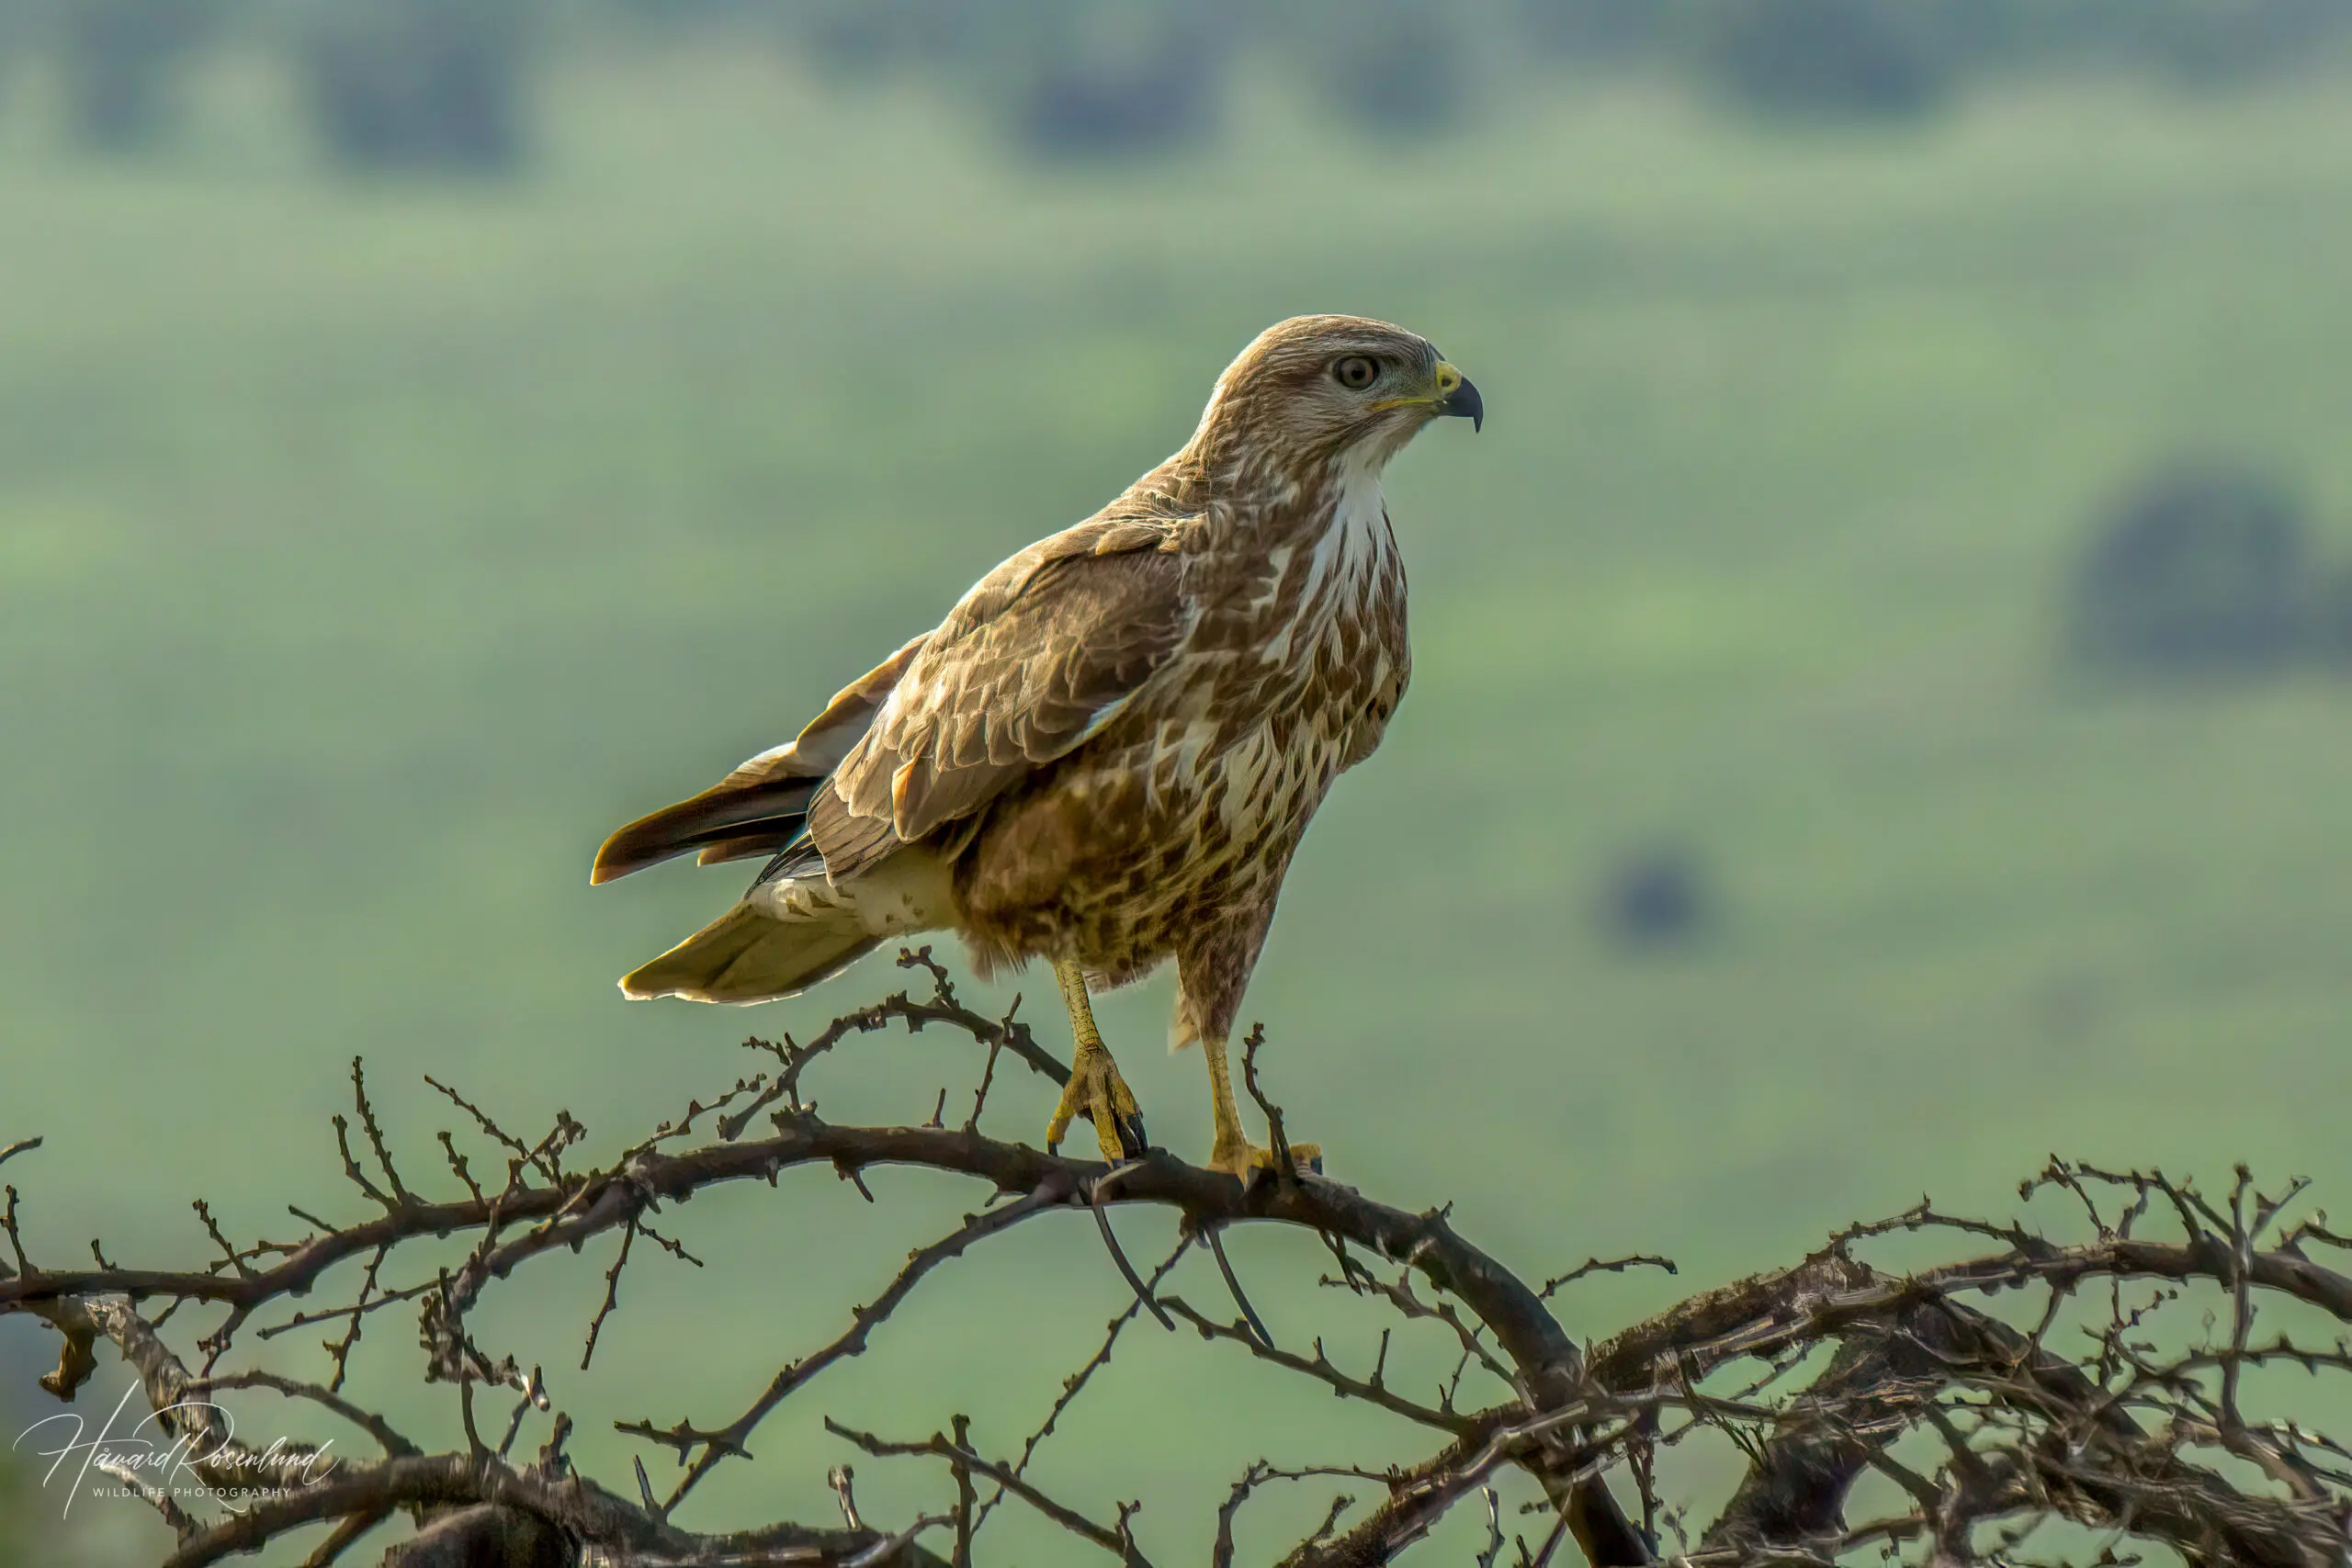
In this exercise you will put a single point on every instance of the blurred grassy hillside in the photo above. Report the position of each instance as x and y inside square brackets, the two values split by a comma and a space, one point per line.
[368, 550]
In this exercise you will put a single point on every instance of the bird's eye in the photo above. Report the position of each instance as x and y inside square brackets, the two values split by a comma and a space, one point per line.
[1355, 372]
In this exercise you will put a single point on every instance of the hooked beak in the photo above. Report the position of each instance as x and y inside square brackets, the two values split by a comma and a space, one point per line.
[1454, 395]
[1458, 397]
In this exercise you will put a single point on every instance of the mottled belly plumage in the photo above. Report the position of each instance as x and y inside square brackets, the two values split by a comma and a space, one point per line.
[1152, 837]
[1128, 850]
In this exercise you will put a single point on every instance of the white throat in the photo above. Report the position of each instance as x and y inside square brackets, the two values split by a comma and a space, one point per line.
[1356, 542]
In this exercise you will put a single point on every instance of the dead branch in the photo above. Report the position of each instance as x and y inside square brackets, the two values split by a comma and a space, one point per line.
[2147, 1435]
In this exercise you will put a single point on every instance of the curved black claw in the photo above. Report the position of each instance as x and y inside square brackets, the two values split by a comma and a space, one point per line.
[1134, 1143]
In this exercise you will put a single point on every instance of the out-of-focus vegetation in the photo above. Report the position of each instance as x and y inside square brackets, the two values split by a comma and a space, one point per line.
[2202, 570]
[122, 61]
[446, 84]
[418, 84]
[369, 547]
[1657, 896]
[21, 1517]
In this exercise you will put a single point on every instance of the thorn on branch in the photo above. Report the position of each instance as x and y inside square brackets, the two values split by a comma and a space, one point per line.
[513, 1144]
[966, 1493]
[731, 1438]
[458, 1165]
[1591, 1266]
[612, 1295]
[1117, 1539]
[1277, 1142]
[942, 1007]
[841, 1479]
[16, 1236]
[552, 1465]
[943, 987]
[401, 1196]
[229, 1254]
[987, 1068]
[849, 1172]
[1075, 1384]
[1373, 1390]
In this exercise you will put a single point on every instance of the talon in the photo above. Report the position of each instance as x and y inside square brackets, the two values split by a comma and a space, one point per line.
[1246, 1160]
[1126, 1128]
[1098, 1093]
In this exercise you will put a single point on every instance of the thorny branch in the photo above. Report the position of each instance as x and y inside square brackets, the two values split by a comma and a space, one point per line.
[2116, 1388]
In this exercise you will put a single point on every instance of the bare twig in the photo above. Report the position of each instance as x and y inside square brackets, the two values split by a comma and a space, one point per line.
[715, 1445]
[1115, 1540]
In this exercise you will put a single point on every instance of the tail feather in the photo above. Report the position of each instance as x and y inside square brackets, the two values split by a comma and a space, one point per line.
[762, 806]
[766, 842]
[750, 955]
[728, 822]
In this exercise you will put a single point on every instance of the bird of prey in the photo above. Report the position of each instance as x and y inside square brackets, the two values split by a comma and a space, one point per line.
[1106, 754]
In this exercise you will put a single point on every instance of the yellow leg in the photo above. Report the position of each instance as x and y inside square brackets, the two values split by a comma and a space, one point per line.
[1095, 1089]
[1233, 1153]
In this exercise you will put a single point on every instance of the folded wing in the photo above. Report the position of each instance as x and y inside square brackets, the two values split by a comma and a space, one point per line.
[1038, 657]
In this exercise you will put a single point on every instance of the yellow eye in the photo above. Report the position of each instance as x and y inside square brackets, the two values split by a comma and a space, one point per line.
[1355, 372]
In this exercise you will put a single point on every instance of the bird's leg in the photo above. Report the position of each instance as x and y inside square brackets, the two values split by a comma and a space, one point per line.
[1095, 1089]
[1233, 1153]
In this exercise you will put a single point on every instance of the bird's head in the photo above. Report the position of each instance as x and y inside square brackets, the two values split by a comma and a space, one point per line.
[1336, 386]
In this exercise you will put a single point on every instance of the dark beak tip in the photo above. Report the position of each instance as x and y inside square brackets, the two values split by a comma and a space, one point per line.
[1465, 402]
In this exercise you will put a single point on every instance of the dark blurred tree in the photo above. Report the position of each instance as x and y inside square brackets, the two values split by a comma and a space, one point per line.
[1092, 78]
[1067, 78]
[1657, 898]
[123, 63]
[1838, 59]
[1396, 67]
[431, 85]
[863, 37]
[7, 43]
[2216, 42]
[1112, 77]
[2331, 620]
[2208, 43]
[665, 12]
[1141, 84]
[1600, 30]
[2201, 569]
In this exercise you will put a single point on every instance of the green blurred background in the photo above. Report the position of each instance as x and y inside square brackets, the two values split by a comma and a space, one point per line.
[1883, 700]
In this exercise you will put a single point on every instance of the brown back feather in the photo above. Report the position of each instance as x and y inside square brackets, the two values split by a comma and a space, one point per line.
[1033, 659]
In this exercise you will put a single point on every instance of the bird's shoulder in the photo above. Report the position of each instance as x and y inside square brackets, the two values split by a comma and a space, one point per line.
[1036, 658]
[1119, 533]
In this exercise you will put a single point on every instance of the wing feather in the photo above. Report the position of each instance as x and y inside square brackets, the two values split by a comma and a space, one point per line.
[1041, 654]
[759, 806]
